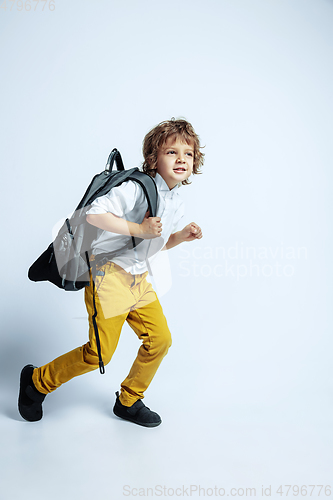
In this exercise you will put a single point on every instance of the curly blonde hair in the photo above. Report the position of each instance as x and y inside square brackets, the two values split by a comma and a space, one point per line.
[159, 135]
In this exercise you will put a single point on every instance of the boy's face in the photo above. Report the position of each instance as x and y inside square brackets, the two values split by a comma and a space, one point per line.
[175, 161]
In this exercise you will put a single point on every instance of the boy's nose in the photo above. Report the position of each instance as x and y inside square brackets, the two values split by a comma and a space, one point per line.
[181, 160]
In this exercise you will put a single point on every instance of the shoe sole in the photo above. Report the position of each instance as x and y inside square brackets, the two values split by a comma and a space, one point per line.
[129, 419]
[21, 407]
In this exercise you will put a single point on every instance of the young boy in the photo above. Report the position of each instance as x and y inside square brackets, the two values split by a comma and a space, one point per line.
[172, 154]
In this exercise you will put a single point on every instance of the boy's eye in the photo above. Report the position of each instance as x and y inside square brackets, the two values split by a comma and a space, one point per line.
[174, 152]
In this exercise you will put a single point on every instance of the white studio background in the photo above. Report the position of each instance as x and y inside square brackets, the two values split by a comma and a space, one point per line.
[246, 391]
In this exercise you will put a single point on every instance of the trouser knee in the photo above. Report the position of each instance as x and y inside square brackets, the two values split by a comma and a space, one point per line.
[162, 342]
[90, 356]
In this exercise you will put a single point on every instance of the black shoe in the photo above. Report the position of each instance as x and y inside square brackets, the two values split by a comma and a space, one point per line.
[137, 413]
[30, 400]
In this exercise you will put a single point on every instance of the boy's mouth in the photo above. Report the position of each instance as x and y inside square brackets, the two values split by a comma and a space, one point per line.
[179, 169]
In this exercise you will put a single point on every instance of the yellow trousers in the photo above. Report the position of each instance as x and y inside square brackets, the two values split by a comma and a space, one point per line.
[119, 296]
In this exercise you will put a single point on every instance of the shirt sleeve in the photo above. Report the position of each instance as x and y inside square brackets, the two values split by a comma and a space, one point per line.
[179, 214]
[119, 200]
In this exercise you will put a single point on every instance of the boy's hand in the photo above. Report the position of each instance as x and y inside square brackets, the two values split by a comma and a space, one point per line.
[150, 227]
[191, 232]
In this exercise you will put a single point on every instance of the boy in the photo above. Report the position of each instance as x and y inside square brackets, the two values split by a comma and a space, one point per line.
[171, 153]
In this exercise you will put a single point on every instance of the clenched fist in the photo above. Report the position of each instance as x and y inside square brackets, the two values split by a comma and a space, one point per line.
[150, 227]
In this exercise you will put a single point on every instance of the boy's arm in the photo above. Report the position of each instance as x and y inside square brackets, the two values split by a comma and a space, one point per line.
[190, 232]
[114, 224]
[174, 240]
[150, 227]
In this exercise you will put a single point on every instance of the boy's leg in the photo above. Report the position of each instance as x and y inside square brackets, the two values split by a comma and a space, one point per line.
[81, 360]
[113, 303]
[149, 323]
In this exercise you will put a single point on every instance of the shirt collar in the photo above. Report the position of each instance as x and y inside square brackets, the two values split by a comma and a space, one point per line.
[162, 185]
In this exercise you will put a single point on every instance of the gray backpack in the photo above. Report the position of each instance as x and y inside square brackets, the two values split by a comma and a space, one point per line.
[65, 262]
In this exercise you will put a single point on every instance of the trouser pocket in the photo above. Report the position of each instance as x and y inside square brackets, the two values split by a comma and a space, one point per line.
[100, 275]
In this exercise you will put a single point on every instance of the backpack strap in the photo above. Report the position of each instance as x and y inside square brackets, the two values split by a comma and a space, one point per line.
[92, 271]
[150, 190]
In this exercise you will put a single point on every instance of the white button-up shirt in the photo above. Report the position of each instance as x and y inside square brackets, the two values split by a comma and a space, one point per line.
[129, 202]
